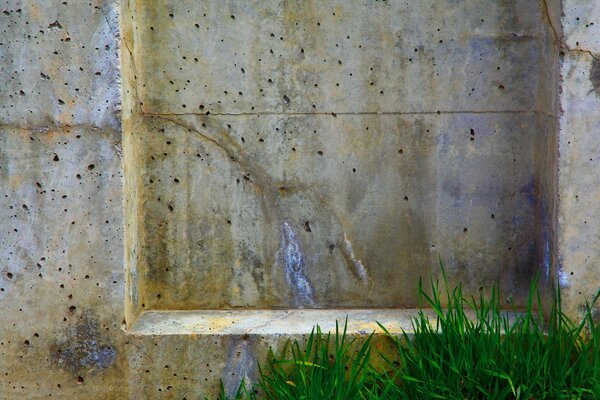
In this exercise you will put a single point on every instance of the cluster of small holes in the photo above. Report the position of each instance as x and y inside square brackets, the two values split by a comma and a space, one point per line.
[53, 71]
[56, 182]
[254, 72]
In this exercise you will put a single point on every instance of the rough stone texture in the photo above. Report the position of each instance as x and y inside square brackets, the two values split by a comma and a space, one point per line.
[579, 149]
[86, 243]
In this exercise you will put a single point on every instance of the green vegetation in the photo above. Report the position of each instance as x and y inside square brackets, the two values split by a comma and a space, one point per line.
[495, 355]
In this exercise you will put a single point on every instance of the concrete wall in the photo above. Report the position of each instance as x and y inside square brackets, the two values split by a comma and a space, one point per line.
[579, 149]
[328, 153]
[61, 265]
[325, 154]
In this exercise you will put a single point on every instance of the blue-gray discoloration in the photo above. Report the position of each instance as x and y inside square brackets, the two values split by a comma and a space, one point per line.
[291, 255]
[82, 348]
[546, 241]
[529, 191]
[98, 355]
[240, 366]
[546, 257]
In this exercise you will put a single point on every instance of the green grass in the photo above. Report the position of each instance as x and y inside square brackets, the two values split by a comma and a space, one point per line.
[494, 355]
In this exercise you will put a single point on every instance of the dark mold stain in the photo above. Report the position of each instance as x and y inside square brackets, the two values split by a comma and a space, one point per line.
[595, 76]
[82, 347]
[531, 191]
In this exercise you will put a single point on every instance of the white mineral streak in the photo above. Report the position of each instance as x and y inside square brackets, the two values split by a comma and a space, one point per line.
[359, 268]
[563, 278]
[295, 268]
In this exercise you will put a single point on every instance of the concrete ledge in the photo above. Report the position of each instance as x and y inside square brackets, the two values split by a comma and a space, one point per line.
[274, 322]
[270, 322]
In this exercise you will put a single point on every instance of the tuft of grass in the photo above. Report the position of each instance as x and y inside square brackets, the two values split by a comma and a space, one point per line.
[472, 349]
[497, 354]
[324, 368]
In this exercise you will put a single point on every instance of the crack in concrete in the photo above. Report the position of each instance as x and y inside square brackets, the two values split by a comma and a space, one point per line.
[134, 87]
[203, 135]
[558, 38]
[257, 175]
[578, 50]
[546, 13]
[269, 188]
[110, 27]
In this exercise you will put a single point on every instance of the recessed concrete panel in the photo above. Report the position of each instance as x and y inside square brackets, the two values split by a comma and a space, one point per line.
[327, 154]
[319, 211]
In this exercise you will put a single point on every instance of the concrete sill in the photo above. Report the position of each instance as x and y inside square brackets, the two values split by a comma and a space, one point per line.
[272, 322]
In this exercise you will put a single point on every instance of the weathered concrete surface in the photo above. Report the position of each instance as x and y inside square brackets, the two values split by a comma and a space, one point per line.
[61, 278]
[276, 322]
[486, 162]
[59, 64]
[326, 154]
[213, 224]
[579, 181]
[338, 56]
[61, 274]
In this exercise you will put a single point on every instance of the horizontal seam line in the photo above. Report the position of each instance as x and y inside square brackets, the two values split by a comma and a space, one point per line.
[53, 127]
[333, 113]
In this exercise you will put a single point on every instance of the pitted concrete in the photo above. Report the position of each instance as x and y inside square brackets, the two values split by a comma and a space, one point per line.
[268, 154]
[326, 155]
